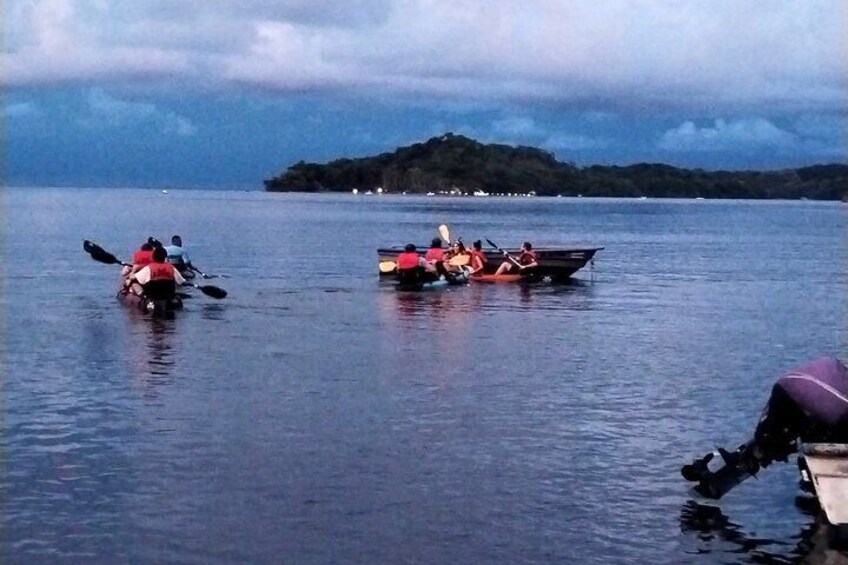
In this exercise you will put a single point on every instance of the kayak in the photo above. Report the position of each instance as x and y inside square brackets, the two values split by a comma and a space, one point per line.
[458, 279]
[504, 278]
[144, 304]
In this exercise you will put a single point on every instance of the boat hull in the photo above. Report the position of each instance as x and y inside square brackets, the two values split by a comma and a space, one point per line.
[556, 263]
[147, 305]
[458, 279]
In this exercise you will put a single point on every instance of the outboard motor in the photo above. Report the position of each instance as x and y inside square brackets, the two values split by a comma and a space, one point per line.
[809, 404]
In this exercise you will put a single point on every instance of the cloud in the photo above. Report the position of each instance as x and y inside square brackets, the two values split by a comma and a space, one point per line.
[605, 56]
[722, 135]
[105, 111]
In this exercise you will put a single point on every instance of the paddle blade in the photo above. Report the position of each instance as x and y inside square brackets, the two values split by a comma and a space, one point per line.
[213, 291]
[445, 233]
[387, 266]
[493, 244]
[459, 260]
[99, 254]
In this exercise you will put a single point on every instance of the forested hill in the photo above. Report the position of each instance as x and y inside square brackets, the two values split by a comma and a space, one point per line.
[462, 165]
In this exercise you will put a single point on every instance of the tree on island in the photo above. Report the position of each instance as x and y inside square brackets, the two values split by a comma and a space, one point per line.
[455, 163]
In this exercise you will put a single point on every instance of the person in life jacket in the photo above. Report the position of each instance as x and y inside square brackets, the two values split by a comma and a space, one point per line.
[457, 256]
[808, 404]
[178, 257]
[527, 260]
[411, 267]
[435, 256]
[478, 258]
[141, 258]
[158, 280]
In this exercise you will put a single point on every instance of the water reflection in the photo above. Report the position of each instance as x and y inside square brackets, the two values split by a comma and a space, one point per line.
[717, 534]
[151, 349]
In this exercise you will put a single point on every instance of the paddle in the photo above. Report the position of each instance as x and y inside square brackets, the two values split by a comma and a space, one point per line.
[201, 273]
[459, 260]
[99, 254]
[506, 253]
[209, 290]
[445, 233]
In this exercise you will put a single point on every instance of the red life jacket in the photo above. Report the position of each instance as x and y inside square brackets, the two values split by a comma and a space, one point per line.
[407, 260]
[527, 257]
[161, 271]
[480, 255]
[435, 254]
[142, 258]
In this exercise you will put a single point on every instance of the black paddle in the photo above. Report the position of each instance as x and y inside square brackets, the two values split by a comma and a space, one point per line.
[506, 253]
[209, 290]
[201, 273]
[99, 254]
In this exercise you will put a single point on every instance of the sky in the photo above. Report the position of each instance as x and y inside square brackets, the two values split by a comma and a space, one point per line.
[227, 93]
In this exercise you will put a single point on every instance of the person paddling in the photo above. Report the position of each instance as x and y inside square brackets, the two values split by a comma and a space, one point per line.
[158, 280]
[178, 257]
[527, 260]
[478, 258]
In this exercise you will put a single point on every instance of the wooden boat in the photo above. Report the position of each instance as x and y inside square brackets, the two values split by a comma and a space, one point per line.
[557, 263]
[824, 472]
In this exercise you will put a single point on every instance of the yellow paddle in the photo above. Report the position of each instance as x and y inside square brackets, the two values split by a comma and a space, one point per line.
[459, 260]
[387, 266]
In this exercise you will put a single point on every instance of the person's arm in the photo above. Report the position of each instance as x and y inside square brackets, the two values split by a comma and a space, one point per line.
[530, 265]
[142, 277]
[178, 278]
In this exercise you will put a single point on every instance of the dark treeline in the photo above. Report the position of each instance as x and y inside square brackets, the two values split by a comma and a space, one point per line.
[457, 163]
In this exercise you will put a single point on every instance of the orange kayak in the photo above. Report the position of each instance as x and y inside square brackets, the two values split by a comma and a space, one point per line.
[505, 278]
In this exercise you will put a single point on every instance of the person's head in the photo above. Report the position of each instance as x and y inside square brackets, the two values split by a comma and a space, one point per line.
[527, 246]
[437, 242]
[177, 240]
[154, 242]
[478, 245]
[410, 248]
[159, 255]
[146, 247]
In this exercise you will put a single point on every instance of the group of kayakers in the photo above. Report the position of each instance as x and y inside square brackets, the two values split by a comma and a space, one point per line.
[158, 269]
[438, 261]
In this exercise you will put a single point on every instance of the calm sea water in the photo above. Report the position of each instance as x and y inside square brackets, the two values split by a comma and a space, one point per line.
[318, 416]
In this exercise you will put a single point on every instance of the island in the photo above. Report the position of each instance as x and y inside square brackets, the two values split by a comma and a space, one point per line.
[455, 164]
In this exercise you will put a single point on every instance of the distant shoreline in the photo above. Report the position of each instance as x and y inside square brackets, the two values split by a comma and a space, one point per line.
[456, 165]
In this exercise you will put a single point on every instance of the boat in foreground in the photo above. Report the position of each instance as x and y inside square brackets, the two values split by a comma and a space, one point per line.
[556, 263]
[417, 285]
[157, 308]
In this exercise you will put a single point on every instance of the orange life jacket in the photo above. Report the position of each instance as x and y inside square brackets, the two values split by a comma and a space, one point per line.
[161, 271]
[142, 258]
[480, 255]
[407, 260]
[435, 254]
[527, 257]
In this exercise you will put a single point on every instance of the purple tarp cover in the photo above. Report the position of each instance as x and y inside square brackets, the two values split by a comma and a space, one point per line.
[820, 388]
